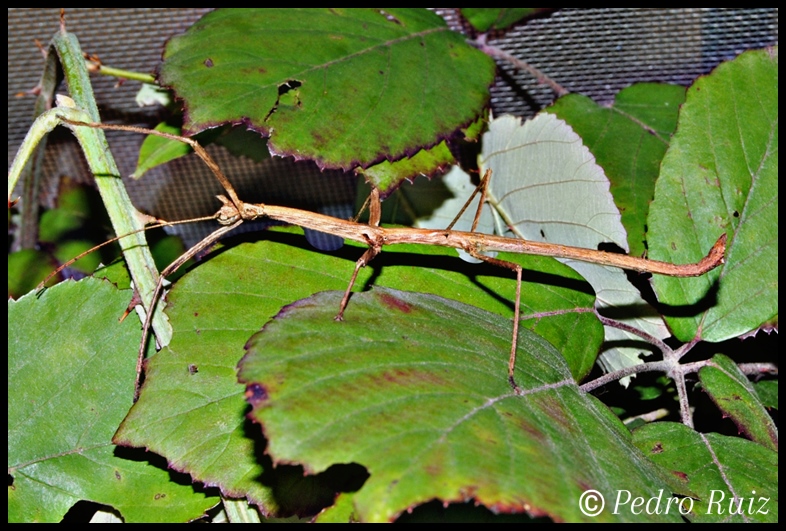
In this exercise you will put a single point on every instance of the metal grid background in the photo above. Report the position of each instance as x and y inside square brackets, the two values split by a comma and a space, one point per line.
[595, 52]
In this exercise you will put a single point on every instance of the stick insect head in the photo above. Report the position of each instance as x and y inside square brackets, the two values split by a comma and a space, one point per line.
[228, 213]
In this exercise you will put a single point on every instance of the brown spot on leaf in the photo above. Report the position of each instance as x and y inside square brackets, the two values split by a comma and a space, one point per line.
[395, 303]
[531, 430]
[160, 495]
[658, 448]
[209, 62]
[680, 475]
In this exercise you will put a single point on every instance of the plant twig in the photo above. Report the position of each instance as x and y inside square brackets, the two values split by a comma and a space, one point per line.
[756, 369]
[542, 78]
[661, 366]
[95, 65]
[633, 330]
[682, 392]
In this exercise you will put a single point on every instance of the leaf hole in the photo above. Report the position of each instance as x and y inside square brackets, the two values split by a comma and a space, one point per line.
[288, 85]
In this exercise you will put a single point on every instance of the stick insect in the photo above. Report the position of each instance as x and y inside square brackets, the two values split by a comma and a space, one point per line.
[234, 212]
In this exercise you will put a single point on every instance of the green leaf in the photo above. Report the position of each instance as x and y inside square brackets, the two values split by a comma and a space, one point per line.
[387, 175]
[547, 187]
[342, 511]
[486, 18]
[26, 269]
[71, 373]
[192, 410]
[369, 85]
[426, 376]
[719, 175]
[767, 391]
[157, 150]
[717, 468]
[734, 395]
[628, 140]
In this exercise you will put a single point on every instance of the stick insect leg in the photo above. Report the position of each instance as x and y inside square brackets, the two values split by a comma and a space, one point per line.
[171, 268]
[374, 248]
[229, 216]
[482, 188]
[198, 149]
[516, 310]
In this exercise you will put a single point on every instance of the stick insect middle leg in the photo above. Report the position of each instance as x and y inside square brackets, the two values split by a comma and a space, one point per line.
[482, 188]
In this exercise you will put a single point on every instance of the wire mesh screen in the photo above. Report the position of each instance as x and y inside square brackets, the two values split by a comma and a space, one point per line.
[595, 52]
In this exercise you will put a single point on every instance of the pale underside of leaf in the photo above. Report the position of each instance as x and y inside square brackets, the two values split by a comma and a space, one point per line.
[547, 187]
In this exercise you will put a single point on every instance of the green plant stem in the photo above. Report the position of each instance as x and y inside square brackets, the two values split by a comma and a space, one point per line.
[123, 215]
[104, 70]
[27, 236]
[239, 511]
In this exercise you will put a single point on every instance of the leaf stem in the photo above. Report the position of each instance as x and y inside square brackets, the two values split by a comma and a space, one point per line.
[96, 66]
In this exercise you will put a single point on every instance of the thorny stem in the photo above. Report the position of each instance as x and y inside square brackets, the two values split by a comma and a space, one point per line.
[750, 369]
[493, 51]
[669, 365]
[758, 368]
[684, 349]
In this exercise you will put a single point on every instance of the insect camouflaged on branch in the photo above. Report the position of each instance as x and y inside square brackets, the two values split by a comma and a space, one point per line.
[234, 211]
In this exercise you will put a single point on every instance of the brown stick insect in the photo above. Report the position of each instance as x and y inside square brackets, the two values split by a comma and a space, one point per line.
[234, 212]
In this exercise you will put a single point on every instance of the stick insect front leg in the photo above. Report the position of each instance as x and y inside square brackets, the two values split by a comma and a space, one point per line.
[374, 248]
[231, 215]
